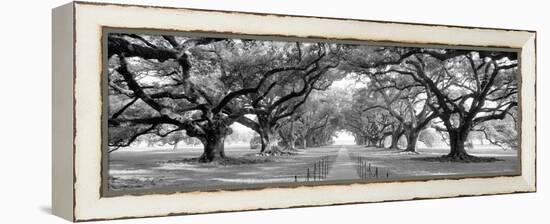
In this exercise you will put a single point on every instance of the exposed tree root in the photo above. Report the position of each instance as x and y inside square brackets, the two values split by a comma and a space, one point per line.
[226, 161]
[407, 152]
[460, 159]
[276, 153]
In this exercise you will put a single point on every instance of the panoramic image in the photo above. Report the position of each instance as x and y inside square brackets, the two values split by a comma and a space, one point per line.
[202, 112]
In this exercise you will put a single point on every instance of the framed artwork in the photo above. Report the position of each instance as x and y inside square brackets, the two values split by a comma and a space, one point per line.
[166, 111]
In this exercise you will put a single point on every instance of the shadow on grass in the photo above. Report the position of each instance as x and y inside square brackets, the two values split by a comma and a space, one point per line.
[469, 159]
[227, 161]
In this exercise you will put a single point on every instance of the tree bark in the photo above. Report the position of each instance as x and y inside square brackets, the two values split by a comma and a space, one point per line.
[292, 144]
[269, 141]
[213, 148]
[268, 138]
[395, 140]
[304, 141]
[292, 140]
[412, 138]
[457, 138]
[361, 140]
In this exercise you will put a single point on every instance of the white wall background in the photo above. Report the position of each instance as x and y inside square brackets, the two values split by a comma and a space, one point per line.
[25, 111]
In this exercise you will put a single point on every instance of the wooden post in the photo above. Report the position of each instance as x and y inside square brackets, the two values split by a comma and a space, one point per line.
[315, 171]
[367, 170]
[361, 171]
[326, 167]
[364, 168]
[321, 165]
[307, 177]
[387, 174]
[376, 172]
[319, 169]
[295, 179]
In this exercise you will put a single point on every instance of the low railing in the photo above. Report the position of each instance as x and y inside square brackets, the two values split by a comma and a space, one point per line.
[368, 171]
[317, 172]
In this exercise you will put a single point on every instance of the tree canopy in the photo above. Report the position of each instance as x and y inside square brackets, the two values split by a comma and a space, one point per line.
[173, 89]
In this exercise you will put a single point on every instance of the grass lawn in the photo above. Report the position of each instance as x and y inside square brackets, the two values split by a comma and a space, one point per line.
[151, 169]
[407, 164]
[167, 168]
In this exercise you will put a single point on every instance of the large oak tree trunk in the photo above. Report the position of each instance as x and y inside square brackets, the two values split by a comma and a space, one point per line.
[304, 143]
[269, 142]
[213, 148]
[412, 138]
[457, 138]
[268, 138]
[305, 140]
[362, 140]
[292, 144]
[291, 138]
[395, 140]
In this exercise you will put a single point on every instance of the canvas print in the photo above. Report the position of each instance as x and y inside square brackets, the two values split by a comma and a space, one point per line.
[192, 111]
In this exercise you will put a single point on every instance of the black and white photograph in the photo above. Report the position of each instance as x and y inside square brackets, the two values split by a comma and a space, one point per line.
[200, 111]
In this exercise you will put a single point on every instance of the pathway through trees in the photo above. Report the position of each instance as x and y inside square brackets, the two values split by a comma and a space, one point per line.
[343, 168]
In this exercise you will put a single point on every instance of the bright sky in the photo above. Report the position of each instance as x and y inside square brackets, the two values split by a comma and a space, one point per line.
[344, 138]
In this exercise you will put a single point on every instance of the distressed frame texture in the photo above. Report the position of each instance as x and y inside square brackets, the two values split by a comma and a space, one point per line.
[77, 79]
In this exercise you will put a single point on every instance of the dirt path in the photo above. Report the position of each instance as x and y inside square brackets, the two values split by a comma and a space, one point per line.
[343, 168]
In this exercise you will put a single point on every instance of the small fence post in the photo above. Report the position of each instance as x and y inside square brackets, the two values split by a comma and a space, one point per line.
[376, 172]
[322, 166]
[295, 179]
[314, 171]
[327, 167]
[319, 169]
[307, 177]
[360, 170]
[363, 170]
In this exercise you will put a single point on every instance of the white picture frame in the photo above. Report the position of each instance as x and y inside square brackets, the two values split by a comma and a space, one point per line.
[77, 108]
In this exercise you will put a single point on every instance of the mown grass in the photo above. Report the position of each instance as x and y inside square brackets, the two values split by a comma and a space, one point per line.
[181, 168]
